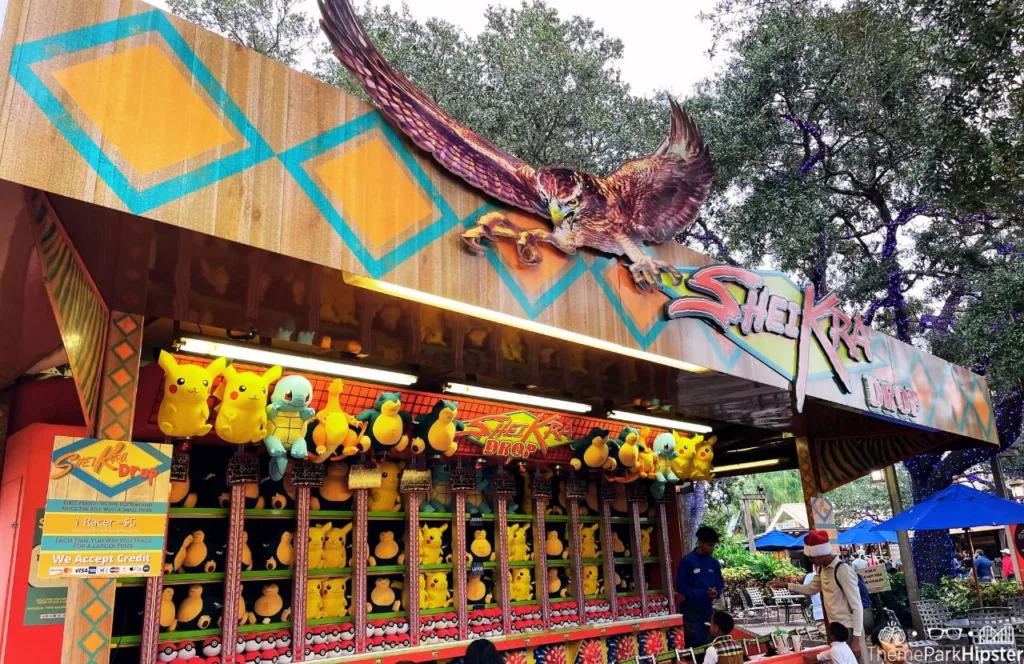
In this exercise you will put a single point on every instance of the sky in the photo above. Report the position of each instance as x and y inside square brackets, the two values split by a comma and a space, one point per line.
[665, 42]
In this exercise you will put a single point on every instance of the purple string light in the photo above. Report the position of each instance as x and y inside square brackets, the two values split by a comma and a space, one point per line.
[810, 129]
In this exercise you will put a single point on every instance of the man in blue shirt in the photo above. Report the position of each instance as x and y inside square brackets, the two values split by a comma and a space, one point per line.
[699, 581]
[982, 566]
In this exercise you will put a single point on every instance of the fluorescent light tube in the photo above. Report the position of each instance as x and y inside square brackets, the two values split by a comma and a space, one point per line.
[660, 422]
[516, 397]
[747, 466]
[258, 355]
[517, 322]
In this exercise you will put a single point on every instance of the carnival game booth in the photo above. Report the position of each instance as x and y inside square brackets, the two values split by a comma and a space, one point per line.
[169, 199]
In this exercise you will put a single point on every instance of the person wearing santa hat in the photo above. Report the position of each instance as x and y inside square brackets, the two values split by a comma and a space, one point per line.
[838, 584]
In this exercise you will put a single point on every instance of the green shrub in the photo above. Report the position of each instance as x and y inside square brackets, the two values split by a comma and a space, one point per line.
[960, 595]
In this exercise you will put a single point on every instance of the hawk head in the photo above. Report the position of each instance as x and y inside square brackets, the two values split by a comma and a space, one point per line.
[564, 191]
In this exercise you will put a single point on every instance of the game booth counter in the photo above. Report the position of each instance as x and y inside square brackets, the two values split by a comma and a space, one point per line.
[338, 390]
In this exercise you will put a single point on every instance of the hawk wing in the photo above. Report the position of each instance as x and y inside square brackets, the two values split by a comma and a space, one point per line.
[458, 149]
[662, 193]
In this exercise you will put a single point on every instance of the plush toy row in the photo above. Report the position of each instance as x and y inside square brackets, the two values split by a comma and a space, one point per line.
[244, 415]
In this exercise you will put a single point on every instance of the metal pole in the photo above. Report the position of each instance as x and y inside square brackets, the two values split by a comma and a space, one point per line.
[748, 525]
[999, 480]
[892, 482]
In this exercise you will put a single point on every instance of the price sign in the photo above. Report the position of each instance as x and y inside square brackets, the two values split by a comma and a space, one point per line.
[476, 522]
[179, 466]
[106, 509]
[307, 473]
[462, 479]
[243, 469]
[476, 568]
[504, 484]
[607, 491]
[636, 492]
[575, 488]
[542, 487]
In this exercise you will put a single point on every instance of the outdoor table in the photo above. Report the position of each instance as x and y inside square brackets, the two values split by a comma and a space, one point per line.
[788, 600]
[958, 622]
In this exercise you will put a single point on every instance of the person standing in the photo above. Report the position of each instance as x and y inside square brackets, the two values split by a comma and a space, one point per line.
[858, 561]
[837, 582]
[1008, 573]
[816, 611]
[699, 581]
[982, 566]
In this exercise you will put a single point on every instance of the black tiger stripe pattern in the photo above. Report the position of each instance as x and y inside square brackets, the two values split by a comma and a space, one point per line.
[842, 460]
[80, 311]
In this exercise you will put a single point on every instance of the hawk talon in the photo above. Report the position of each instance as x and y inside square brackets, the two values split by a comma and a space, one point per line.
[647, 272]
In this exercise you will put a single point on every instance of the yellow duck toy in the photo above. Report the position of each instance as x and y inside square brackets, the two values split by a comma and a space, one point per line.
[682, 464]
[518, 545]
[430, 544]
[184, 411]
[386, 498]
[335, 605]
[317, 535]
[645, 542]
[435, 591]
[335, 539]
[519, 587]
[702, 460]
[337, 428]
[314, 600]
[591, 581]
[242, 413]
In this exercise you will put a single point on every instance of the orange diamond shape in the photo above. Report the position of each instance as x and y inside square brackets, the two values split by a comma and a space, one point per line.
[981, 404]
[644, 307]
[531, 277]
[923, 387]
[953, 397]
[124, 350]
[121, 377]
[118, 404]
[96, 611]
[114, 431]
[127, 325]
[376, 192]
[93, 642]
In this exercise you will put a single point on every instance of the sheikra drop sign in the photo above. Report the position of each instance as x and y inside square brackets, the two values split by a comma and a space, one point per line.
[106, 509]
[517, 434]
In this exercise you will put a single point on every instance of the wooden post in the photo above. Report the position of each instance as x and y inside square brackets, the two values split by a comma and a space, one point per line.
[540, 558]
[666, 556]
[459, 564]
[360, 546]
[90, 603]
[412, 565]
[820, 515]
[611, 592]
[501, 554]
[300, 573]
[242, 469]
[639, 571]
[577, 559]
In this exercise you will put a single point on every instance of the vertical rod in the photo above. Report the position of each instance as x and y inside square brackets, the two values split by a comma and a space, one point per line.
[502, 582]
[666, 555]
[233, 572]
[359, 548]
[611, 592]
[748, 525]
[412, 565]
[892, 483]
[639, 572]
[577, 559]
[300, 573]
[459, 564]
[999, 479]
[540, 557]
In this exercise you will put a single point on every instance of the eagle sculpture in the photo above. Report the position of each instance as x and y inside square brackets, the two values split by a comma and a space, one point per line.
[648, 200]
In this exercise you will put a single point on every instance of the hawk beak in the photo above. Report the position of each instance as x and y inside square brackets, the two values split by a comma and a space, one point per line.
[557, 215]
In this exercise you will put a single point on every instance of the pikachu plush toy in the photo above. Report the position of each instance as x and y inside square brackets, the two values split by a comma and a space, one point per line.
[242, 414]
[184, 411]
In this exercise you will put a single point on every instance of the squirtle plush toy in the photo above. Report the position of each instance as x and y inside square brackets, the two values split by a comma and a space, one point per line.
[438, 429]
[665, 450]
[287, 417]
[386, 424]
[184, 410]
[594, 450]
[242, 413]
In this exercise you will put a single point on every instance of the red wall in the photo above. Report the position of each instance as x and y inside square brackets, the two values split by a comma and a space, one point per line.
[25, 470]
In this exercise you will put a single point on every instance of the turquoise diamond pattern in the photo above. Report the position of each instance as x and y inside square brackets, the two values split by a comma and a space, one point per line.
[644, 339]
[76, 41]
[95, 633]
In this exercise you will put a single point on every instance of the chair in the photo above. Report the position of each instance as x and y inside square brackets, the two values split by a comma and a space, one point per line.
[757, 605]
[994, 614]
[812, 631]
[786, 600]
[934, 616]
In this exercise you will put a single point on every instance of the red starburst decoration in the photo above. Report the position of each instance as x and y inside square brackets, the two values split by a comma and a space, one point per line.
[515, 657]
[652, 642]
[590, 652]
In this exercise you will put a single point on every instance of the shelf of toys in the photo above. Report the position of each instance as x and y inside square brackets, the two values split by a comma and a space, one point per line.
[327, 535]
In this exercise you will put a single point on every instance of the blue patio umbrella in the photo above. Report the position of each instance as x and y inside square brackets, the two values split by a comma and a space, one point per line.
[957, 506]
[775, 540]
[863, 533]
